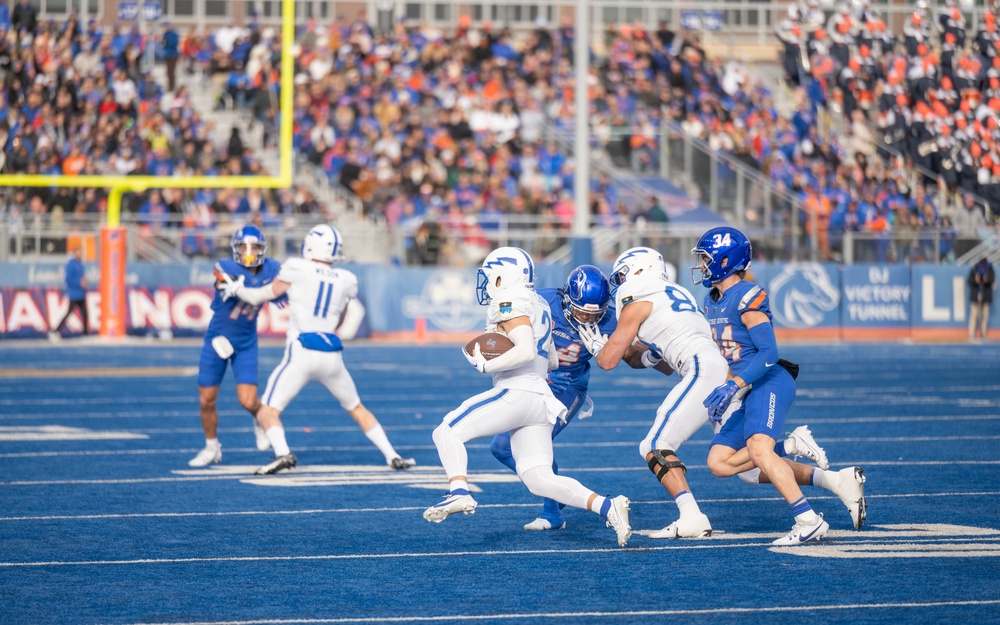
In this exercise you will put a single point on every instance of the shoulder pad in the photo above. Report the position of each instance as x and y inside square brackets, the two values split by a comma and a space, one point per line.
[637, 289]
[753, 299]
[511, 303]
[295, 263]
[290, 269]
[230, 266]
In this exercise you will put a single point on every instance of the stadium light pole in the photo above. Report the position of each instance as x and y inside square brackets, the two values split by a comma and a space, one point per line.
[582, 246]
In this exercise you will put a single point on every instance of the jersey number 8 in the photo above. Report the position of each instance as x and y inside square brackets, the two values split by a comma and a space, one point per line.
[679, 301]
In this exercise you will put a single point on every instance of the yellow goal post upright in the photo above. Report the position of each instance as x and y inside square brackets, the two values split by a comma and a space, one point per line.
[112, 257]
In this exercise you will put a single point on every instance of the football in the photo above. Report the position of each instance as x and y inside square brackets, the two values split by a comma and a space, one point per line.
[491, 345]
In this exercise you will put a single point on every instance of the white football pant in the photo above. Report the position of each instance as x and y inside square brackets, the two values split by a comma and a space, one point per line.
[300, 366]
[683, 412]
[526, 416]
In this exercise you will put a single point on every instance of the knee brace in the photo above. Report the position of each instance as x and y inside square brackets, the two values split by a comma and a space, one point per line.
[659, 464]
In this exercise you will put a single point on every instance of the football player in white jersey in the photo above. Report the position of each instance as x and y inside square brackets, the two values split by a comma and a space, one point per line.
[520, 401]
[319, 296]
[665, 317]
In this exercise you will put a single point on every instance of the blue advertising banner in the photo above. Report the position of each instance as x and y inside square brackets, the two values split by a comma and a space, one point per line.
[691, 20]
[712, 20]
[940, 296]
[444, 298]
[875, 296]
[808, 300]
[802, 295]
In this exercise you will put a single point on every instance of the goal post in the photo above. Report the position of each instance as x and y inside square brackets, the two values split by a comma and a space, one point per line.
[112, 256]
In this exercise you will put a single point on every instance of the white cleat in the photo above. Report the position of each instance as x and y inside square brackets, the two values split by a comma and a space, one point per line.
[263, 442]
[691, 526]
[54, 336]
[618, 519]
[452, 504]
[802, 533]
[541, 524]
[212, 454]
[851, 491]
[805, 446]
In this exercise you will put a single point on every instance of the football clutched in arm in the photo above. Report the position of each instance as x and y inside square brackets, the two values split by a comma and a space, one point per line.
[491, 345]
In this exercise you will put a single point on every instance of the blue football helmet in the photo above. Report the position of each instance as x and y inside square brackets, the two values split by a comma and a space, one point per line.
[505, 267]
[722, 252]
[586, 295]
[249, 246]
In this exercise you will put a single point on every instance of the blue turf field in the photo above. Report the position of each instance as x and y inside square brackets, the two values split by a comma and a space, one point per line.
[102, 521]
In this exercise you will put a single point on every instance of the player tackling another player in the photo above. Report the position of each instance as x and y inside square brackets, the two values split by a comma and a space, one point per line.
[740, 316]
[318, 296]
[584, 299]
[520, 401]
[726, 355]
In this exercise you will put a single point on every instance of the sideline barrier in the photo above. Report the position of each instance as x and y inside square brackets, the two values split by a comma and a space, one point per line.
[810, 301]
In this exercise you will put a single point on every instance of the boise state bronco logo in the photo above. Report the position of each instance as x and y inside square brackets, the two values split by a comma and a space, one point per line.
[801, 295]
[448, 300]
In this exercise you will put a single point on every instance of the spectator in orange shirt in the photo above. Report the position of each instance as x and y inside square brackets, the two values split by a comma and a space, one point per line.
[818, 204]
[73, 164]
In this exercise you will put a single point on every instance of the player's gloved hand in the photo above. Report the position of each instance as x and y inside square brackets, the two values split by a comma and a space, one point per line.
[649, 359]
[718, 401]
[230, 287]
[477, 359]
[593, 340]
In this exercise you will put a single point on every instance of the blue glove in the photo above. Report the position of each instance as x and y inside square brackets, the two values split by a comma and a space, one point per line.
[719, 400]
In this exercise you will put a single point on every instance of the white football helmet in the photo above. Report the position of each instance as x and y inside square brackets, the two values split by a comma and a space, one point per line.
[503, 268]
[323, 243]
[638, 260]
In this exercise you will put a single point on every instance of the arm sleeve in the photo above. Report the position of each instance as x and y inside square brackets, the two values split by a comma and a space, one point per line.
[521, 354]
[290, 270]
[354, 314]
[257, 296]
[766, 357]
[350, 285]
[553, 359]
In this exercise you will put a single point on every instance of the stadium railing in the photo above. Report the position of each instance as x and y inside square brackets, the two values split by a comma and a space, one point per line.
[329, 192]
[948, 201]
[735, 22]
[738, 22]
[463, 242]
[719, 181]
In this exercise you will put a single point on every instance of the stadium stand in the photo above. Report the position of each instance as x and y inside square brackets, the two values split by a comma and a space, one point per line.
[451, 137]
[81, 101]
[919, 106]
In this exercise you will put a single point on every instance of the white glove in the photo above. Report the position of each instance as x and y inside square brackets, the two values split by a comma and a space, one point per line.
[593, 340]
[230, 287]
[477, 359]
[649, 360]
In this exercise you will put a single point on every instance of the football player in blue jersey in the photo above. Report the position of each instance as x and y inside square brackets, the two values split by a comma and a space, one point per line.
[740, 317]
[584, 299]
[231, 339]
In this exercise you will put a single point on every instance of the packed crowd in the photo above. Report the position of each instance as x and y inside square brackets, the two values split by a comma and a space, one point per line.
[465, 128]
[79, 100]
[928, 98]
